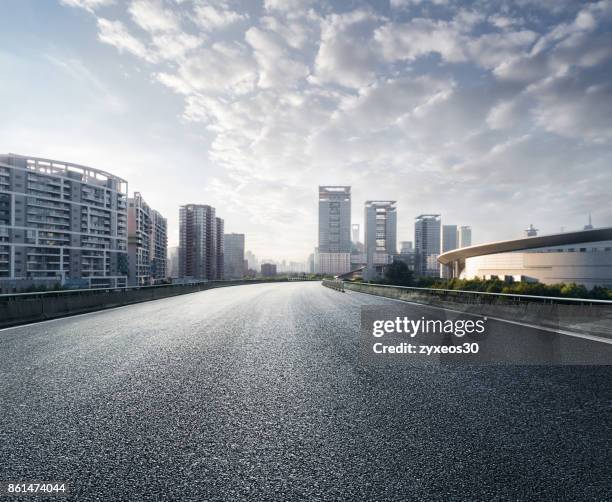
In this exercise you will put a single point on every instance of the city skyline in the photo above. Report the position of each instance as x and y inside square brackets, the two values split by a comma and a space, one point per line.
[444, 108]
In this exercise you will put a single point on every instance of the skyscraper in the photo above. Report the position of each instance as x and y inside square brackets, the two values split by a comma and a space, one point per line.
[449, 237]
[61, 223]
[333, 255]
[464, 237]
[234, 256]
[427, 244]
[198, 246]
[380, 233]
[355, 232]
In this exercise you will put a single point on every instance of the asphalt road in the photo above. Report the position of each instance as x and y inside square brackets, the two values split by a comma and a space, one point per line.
[258, 393]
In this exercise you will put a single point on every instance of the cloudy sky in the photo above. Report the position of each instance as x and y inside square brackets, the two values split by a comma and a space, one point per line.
[495, 114]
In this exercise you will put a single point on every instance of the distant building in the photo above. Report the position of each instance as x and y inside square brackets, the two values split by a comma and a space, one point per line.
[355, 233]
[380, 234]
[252, 259]
[589, 225]
[464, 237]
[234, 261]
[531, 231]
[268, 269]
[147, 243]
[406, 247]
[311, 263]
[333, 256]
[158, 249]
[173, 262]
[448, 241]
[407, 254]
[198, 242]
[61, 224]
[427, 244]
[220, 249]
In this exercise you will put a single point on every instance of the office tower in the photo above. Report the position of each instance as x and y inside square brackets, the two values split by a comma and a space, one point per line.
[464, 237]
[311, 263]
[380, 234]
[198, 242]
[334, 230]
[427, 244]
[448, 241]
[61, 223]
[268, 269]
[234, 256]
[448, 238]
[158, 248]
[355, 232]
[139, 241]
[173, 262]
[219, 249]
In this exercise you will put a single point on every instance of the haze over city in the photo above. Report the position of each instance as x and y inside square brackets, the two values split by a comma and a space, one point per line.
[490, 115]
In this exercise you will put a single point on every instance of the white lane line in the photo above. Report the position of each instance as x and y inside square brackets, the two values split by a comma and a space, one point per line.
[584, 336]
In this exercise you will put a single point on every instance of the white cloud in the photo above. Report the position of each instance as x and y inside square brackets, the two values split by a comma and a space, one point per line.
[276, 67]
[346, 55]
[88, 5]
[151, 16]
[214, 17]
[116, 34]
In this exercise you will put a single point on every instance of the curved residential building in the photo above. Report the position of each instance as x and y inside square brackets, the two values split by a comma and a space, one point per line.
[583, 257]
[61, 223]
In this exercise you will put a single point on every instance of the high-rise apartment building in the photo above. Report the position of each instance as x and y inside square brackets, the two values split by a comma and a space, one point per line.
[234, 256]
[147, 243]
[464, 237]
[61, 223]
[334, 250]
[427, 244]
[158, 249]
[198, 242]
[139, 241]
[220, 248]
[380, 233]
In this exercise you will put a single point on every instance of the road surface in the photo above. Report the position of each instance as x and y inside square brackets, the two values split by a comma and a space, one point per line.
[257, 393]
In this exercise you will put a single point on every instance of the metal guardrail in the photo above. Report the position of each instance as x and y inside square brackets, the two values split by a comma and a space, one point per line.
[551, 299]
[337, 285]
[482, 295]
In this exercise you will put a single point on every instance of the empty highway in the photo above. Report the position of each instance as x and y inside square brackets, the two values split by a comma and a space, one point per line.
[257, 392]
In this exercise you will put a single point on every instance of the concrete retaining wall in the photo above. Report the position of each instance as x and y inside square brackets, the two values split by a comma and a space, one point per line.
[582, 316]
[32, 307]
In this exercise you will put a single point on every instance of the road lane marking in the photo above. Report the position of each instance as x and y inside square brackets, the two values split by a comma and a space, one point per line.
[584, 336]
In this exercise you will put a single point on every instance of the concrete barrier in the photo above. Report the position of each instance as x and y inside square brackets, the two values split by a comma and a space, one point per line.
[23, 308]
[580, 315]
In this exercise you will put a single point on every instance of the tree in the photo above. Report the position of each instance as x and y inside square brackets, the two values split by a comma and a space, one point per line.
[398, 274]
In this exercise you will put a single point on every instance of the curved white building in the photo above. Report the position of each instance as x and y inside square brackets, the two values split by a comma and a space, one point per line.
[583, 257]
